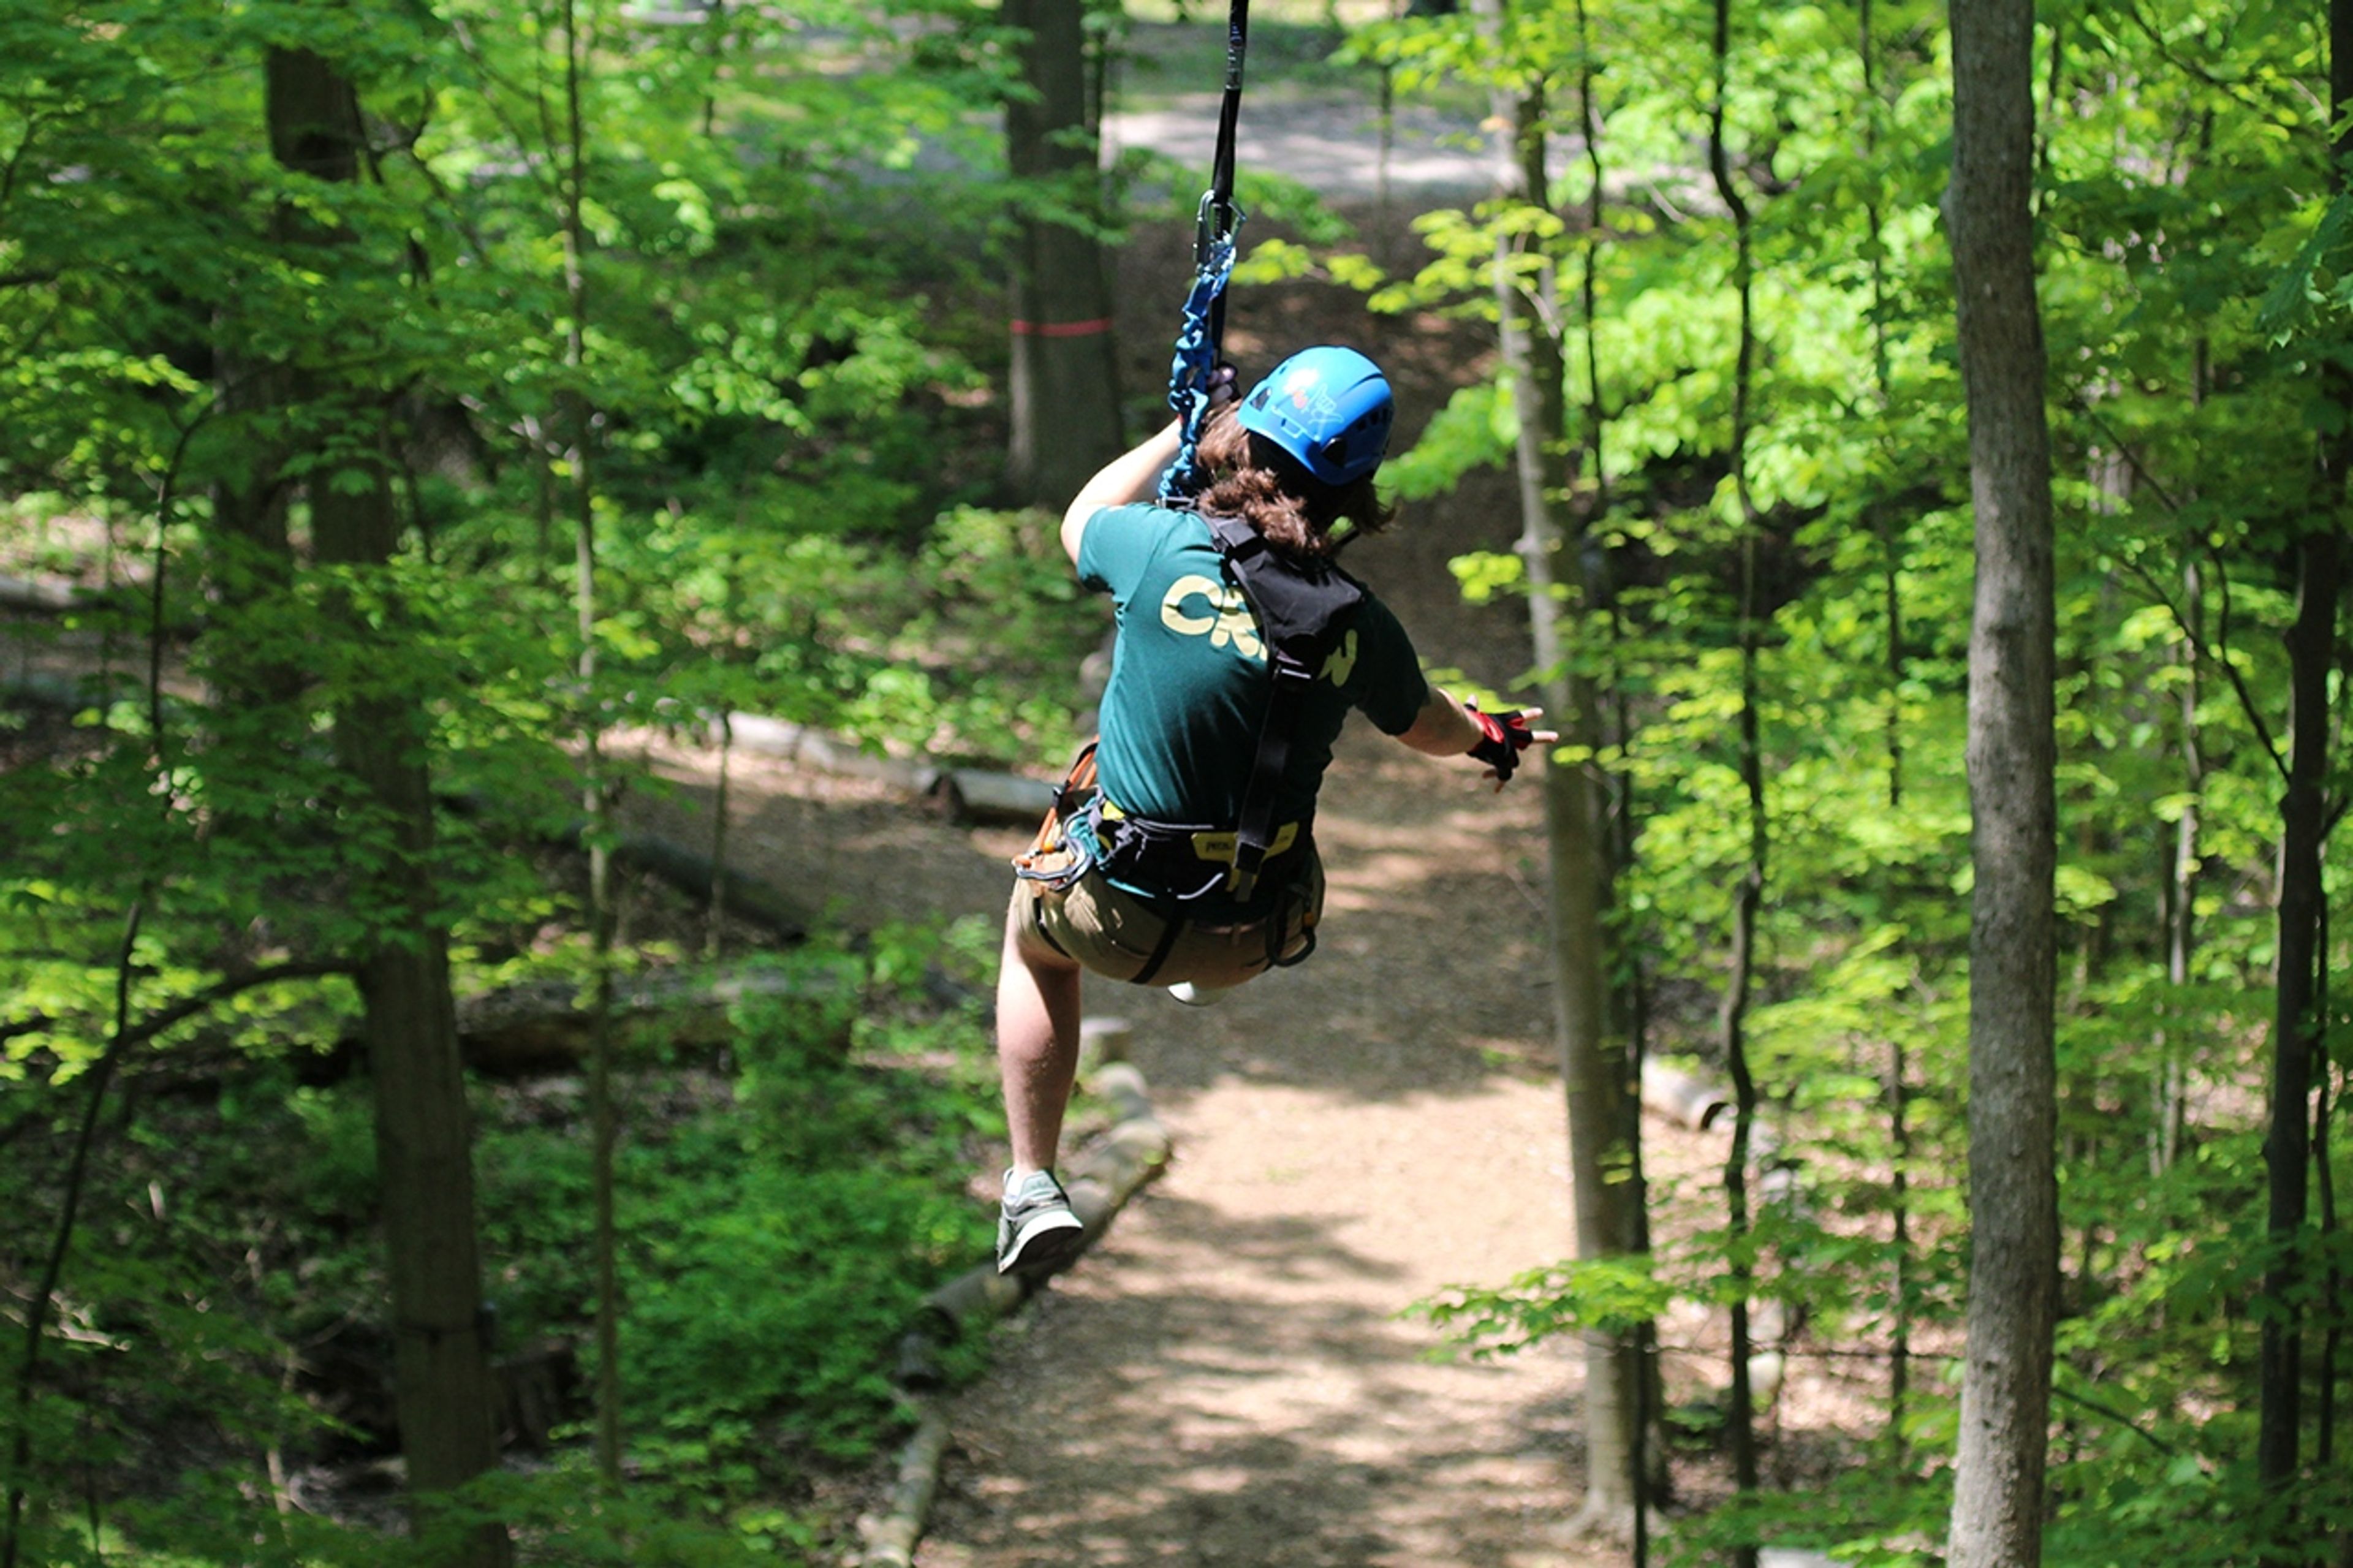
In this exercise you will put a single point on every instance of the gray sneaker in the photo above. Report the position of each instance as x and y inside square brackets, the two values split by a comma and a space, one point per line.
[1035, 1231]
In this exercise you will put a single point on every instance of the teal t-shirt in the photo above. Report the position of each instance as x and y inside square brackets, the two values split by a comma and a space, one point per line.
[1189, 678]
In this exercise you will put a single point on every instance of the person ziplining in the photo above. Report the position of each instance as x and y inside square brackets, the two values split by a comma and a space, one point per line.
[1180, 852]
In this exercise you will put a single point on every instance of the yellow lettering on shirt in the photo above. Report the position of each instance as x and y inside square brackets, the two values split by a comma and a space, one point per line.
[1224, 618]
[1343, 662]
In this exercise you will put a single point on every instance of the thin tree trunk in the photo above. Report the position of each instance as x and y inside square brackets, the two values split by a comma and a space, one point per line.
[1890, 566]
[1593, 1074]
[2296, 1037]
[37, 1315]
[1610, 802]
[1997, 1517]
[2182, 898]
[1749, 895]
[596, 798]
[443, 1386]
[2287, 1152]
[443, 1390]
[1065, 378]
[2332, 1285]
[2171, 1091]
[715, 913]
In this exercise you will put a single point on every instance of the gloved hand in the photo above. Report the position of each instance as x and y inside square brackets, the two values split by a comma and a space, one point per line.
[1502, 737]
[1223, 385]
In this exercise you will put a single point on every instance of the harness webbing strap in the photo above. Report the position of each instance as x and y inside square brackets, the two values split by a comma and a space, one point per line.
[1202, 333]
[1298, 605]
[1218, 203]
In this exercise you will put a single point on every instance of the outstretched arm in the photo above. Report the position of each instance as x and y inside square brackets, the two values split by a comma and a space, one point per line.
[1132, 476]
[1447, 726]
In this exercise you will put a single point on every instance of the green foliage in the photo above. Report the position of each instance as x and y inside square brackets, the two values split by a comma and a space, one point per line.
[779, 414]
[2192, 262]
[781, 1220]
[1609, 1295]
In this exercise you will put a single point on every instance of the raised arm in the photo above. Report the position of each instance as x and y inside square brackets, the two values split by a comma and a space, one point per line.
[1132, 476]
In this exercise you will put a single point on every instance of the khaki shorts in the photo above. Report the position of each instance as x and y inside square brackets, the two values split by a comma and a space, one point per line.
[1116, 933]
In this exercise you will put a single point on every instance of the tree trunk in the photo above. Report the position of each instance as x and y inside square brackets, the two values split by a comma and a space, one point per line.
[444, 1390]
[1997, 1518]
[1065, 380]
[1602, 1098]
[595, 797]
[2172, 1088]
[2295, 1027]
[2287, 1152]
[1740, 1415]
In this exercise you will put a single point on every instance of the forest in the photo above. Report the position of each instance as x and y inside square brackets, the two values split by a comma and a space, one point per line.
[1909, 456]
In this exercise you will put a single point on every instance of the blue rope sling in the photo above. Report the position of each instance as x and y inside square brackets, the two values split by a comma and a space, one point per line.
[1199, 340]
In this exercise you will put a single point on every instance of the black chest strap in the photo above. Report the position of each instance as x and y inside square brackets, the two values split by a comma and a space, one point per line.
[1299, 605]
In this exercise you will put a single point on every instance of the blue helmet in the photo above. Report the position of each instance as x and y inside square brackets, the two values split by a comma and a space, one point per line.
[1328, 407]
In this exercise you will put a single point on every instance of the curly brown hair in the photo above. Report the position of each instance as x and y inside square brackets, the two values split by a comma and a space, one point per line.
[1252, 479]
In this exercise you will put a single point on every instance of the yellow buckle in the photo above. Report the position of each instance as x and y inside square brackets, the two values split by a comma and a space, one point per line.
[1219, 847]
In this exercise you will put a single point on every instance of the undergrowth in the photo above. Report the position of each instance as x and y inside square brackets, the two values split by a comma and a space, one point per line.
[220, 1392]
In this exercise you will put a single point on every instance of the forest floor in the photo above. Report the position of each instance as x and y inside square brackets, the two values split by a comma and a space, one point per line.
[1228, 1379]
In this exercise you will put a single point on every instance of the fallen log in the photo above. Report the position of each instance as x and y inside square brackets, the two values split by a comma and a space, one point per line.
[972, 795]
[42, 596]
[745, 896]
[1100, 1179]
[690, 872]
[1108, 1172]
[543, 1026]
[66, 693]
[799, 744]
[891, 1537]
[968, 795]
[1681, 1096]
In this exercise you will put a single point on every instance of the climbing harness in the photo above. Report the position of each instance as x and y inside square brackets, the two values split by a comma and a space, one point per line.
[1215, 224]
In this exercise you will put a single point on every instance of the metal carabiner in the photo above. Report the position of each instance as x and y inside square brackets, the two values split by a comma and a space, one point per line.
[1216, 220]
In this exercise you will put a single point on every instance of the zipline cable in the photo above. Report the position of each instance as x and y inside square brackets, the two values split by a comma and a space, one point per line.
[1202, 335]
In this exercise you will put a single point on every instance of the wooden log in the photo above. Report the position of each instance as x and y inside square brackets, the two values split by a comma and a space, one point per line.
[971, 794]
[688, 870]
[1104, 1040]
[968, 795]
[814, 748]
[890, 1539]
[1681, 1096]
[42, 596]
[543, 1026]
[64, 693]
[747, 896]
[1101, 1181]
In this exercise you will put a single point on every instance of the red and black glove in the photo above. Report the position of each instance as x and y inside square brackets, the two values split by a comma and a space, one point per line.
[1502, 737]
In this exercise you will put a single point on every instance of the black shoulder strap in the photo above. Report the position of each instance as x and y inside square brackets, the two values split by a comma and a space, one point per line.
[1298, 605]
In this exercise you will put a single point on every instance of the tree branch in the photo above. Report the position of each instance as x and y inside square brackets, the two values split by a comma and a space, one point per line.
[188, 1007]
[2118, 1417]
[2205, 651]
[37, 1314]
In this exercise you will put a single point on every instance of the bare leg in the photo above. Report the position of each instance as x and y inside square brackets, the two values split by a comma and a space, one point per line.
[1037, 1042]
